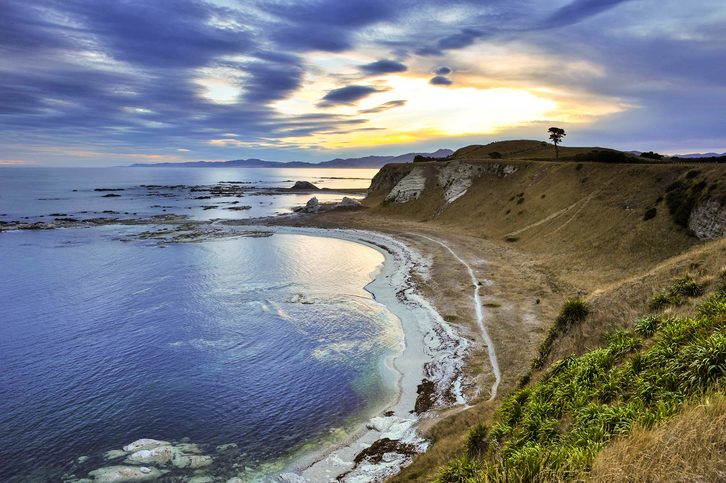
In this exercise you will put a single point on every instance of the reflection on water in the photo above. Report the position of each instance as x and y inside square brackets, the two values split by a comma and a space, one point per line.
[263, 342]
[36, 192]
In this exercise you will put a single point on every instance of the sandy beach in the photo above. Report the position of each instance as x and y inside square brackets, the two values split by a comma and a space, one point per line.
[431, 350]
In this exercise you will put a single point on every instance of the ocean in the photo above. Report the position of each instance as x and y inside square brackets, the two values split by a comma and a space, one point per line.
[269, 344]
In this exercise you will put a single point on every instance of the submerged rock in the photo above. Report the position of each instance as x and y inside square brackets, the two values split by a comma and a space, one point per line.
[191, 461]
[226, 447]
[292, 478]
[145, 443]
[189, 448]
[114, 453]
[160, 455]
[200, 479]
[124, 474]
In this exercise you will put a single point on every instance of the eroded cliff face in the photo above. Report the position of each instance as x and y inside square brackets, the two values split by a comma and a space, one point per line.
[456, 177]
[409, 188]
[406, 183]
[387, 177]
[708, 220]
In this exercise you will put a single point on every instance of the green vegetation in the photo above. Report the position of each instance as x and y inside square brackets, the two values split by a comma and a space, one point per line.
[674, 295]
[604, 156]
[682, 196]
[651, 155]
[650, 213]
[556, 135]
[574, 311]
[553, 429]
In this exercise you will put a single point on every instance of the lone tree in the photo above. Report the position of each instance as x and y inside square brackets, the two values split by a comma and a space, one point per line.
[556, 135]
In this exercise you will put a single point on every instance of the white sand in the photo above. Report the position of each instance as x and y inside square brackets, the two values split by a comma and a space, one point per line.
[431, 349]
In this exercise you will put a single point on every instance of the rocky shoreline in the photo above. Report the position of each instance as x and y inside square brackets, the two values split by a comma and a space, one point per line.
[428, 373]
[428, 370]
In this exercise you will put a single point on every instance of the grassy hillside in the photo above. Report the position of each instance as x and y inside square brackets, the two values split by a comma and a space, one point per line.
[616, 218]
[621, 364]
[553, 430]
[539, 151]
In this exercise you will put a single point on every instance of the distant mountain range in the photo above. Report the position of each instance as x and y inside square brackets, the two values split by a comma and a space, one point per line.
[365, 162]
[700, 155]
[692, 155]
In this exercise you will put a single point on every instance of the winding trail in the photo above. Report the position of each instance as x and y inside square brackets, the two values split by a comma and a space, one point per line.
[479, 317]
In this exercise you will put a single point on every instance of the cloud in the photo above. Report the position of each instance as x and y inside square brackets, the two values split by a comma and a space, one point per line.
[579, 10]
[384, 107]
[347, 95]
[163, 33]
[383, 67]
[327, 25]
[271, 81]
[463, 39]
[109, 74]
[440, 80]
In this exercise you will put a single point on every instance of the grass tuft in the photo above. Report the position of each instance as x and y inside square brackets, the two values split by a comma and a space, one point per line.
[683, 287]
[573, 311]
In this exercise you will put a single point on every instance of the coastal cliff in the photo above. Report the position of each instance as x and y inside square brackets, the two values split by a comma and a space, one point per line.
[635, 251]
[609, 214]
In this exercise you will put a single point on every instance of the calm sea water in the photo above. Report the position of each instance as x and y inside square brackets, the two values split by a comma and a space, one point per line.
[40, 192]
[268, 343]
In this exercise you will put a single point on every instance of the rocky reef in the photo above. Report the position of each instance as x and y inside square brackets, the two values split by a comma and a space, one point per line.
[156, 460]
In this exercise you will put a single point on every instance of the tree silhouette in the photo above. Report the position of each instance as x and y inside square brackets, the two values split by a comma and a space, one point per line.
[556, 135]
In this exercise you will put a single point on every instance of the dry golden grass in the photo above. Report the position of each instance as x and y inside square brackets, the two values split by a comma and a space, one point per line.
[691, 447]
[579, 229]
[520, 149]
[617, 305]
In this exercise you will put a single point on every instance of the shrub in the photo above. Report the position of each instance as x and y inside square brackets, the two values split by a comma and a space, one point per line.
[603, 156]
[686, 287]
[575, 310]
[476, 441]
[650, 213]
[659, 300]
[647, 325]
[460, 470]
[681, 197]
[651, 155]
[495, 155]
[673, 295]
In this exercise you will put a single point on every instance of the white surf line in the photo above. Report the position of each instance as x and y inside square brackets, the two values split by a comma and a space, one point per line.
[479, 318]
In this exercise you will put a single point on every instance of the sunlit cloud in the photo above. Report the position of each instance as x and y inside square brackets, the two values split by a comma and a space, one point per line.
[96, 81]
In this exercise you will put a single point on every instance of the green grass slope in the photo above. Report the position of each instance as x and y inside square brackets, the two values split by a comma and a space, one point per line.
[554, 428]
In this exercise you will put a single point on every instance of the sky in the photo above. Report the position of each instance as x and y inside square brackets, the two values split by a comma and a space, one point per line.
[111, 82]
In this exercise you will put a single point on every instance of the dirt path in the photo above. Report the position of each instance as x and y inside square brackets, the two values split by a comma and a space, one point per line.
[479, 317]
